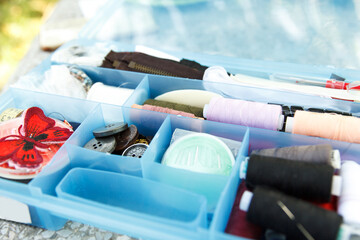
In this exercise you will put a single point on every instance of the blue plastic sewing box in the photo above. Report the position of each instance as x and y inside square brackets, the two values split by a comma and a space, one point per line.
[141, 197]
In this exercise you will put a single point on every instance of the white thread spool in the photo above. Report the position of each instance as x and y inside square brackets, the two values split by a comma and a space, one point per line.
[108, 94]
[349, 201]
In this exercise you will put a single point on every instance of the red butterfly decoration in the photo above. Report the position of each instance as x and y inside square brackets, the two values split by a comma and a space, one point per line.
[38, 133]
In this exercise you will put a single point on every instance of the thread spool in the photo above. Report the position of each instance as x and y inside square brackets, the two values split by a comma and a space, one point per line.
[325, 125]
[198, 112]
[295, 218]
[322, 153]
[246, 113]
[191, 97]
[349, 201]
[167, 110]
[163, 110]
[310, 181]
[237, 224]
[109, 94]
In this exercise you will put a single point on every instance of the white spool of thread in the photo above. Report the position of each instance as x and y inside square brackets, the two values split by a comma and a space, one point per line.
[349, 201]
[108, 94]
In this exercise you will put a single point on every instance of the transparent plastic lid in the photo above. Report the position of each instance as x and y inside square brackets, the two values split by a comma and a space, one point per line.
[293, 31]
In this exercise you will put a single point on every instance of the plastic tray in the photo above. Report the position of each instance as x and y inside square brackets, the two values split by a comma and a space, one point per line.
[96, 188]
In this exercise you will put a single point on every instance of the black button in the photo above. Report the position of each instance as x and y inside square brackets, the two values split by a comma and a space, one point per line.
[126, 138]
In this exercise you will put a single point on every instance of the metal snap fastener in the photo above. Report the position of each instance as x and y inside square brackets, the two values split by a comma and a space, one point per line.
[137, 150]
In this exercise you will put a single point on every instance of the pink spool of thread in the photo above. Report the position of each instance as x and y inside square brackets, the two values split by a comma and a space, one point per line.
[163, 110]
[246, 113]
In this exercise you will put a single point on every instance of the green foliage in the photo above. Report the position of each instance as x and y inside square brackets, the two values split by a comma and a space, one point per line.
[19, 23]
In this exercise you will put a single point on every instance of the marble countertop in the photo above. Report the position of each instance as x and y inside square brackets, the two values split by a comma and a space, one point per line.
[71, 231]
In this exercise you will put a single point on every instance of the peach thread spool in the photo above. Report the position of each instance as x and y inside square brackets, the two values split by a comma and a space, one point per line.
[325, 125]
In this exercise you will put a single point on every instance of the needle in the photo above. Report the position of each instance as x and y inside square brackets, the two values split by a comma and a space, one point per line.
[313, 81]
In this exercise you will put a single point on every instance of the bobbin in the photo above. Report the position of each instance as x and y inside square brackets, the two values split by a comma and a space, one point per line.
[335, 186]
[280, 120]
[192, 97]
[333, 157]
[296, 218]
[289, 124]
[346, 232]
[108, 94]
[341, 128]
[349, 200]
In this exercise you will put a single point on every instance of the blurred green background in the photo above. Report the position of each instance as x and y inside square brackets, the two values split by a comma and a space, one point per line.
[20, 21]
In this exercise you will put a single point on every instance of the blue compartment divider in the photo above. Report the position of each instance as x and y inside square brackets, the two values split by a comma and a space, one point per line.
[256, 68]
[103, 218]
[134, 196]
[85, 158]
[113, 77]
[148, 122]
[209, 185]
[140, 94]
[150, 88]
[71, 109]
[227, 198]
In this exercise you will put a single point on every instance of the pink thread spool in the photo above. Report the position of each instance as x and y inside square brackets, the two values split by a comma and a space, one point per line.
[246, 113]
[163, 110]
[167, 110]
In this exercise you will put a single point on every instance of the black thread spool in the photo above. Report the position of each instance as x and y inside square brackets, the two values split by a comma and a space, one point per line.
[321, 153]
[295, 218]
[305, 180]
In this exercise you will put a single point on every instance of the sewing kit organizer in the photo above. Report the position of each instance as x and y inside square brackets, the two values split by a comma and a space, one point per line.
[140, 196]
[145, 196]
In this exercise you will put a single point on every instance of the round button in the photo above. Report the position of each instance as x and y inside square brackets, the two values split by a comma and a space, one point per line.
[126, 138]
[137, 150]
[105, 145]
[110, 129]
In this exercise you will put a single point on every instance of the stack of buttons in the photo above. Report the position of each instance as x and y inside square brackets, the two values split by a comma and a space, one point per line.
[118, 138]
